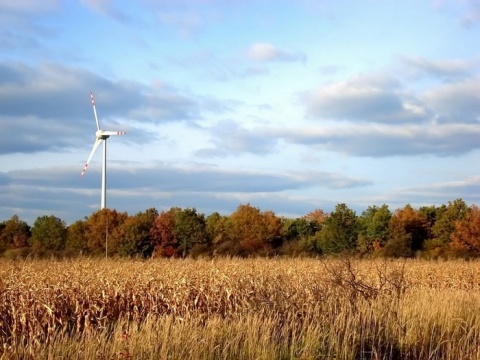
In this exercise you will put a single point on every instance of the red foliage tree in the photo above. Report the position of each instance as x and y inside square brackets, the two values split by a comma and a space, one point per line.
[162, 234]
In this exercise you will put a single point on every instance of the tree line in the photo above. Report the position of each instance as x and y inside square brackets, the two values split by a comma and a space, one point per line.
[451, 230]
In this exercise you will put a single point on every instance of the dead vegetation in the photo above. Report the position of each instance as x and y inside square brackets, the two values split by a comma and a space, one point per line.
[233, 308]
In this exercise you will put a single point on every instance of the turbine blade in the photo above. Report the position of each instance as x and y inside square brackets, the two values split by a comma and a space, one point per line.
[95, 145]
[113, 132]
[94, 110]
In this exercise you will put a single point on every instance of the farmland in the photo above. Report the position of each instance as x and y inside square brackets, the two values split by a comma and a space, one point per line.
[230, 308]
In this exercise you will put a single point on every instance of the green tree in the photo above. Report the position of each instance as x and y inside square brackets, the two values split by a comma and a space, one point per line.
[299, 228]
[15, 233]
[339, 231]
[297, 234]
[432, 213]
[48, 233]
[445, 224]
[190, 230]
[217, 228]
[219, 232]
[373, 228]
[77, 238]
[134, 238]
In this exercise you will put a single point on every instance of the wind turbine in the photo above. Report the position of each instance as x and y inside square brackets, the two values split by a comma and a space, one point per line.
[101, 135]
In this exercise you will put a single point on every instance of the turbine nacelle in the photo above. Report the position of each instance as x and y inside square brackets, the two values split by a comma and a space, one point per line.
[100, 135]
[105, 134]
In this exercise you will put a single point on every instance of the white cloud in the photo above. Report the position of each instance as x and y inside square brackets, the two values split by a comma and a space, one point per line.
[268, 52]
[375, 98]
[443, 69]
[456, 102]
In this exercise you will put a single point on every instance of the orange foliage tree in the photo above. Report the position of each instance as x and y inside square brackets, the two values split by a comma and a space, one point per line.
[101, 225]
[252, 231]
[317, 215]
[408, 230]
[466, 236]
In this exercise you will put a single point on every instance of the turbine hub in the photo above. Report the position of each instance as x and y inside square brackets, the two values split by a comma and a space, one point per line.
[100, 134]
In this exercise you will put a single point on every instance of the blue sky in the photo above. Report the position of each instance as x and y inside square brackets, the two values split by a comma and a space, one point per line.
[290, 106]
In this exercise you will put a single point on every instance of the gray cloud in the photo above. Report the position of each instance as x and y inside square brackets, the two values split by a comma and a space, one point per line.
[221, 180]
[193, 178]
[38, 103]
[456, 102]
[431, 194]
[382, 141]
[21, 29]
[61, 92]
[228, 138]
[61, 191]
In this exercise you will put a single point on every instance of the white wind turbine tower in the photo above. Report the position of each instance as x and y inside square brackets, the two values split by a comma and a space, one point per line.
[101, 135]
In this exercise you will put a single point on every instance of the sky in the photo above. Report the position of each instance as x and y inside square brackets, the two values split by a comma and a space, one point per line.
[289, 106]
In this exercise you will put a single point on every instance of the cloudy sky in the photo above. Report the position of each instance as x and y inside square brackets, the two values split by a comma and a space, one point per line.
[290, 106]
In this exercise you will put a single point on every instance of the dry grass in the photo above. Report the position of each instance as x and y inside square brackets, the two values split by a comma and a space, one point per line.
[239, 309]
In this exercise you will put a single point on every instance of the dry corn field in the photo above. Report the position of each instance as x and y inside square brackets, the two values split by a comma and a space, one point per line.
[239, 309]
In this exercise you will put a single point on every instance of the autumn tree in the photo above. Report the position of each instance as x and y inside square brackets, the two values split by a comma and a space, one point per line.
[373, 228]
[3, 245]
[48, 233]
[162, 233]
[253, 232]
[408, 230]
[15, 234]
[316, 218]
[339, 231]
[466, 236]
[274, 226]
[134, 234]
[103, 231]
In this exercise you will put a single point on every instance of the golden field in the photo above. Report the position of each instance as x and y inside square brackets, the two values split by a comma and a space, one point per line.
[239, 309]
